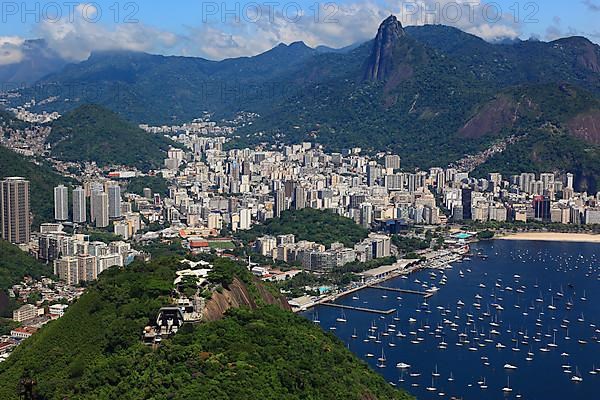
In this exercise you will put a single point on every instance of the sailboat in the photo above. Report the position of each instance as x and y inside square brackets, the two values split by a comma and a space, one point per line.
[553, 344]
[451, 378]
[354, 335]
[381, 360]
[507, 388]
[431, 388]
[342, 318]
[316, 318]
[435, 373]
[401, 376]
[577, 377]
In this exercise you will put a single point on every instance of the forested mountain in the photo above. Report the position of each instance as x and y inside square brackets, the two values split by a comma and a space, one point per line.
[429, 93]
[259, 351]
[93, 133]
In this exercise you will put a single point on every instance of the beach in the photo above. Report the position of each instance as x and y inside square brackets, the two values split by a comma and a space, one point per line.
[553, 237]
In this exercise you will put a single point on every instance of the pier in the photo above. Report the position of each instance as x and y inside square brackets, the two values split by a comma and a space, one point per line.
[368, 310]
[407, 291]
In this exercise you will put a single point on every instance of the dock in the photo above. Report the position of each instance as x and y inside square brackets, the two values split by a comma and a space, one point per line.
[368, 310]
[407, 291]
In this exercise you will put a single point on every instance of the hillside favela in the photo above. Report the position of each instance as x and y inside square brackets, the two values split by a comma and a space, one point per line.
[353, 200]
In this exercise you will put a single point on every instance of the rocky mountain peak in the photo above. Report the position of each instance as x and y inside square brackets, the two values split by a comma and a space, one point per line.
[381, 63]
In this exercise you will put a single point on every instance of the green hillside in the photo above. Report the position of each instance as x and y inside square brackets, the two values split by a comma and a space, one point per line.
[95, 352]
[14, 265]
[42, 179]
[92, 133]
[318, 226]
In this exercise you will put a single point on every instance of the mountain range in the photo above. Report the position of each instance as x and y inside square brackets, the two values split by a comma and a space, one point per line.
[430, 93]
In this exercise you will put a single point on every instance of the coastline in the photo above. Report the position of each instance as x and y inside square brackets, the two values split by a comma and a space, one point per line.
[552, 237]
[437, 264]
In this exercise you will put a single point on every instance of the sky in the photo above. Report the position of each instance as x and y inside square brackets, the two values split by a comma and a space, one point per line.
[223, 29]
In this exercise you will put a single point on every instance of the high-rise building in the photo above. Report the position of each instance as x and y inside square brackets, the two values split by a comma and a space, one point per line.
[467, 200]
[245, 219]
[299, 198]
[15, 218]
[61, 203]
[280, 202]
[67, 269]
[372, 174]
[100, 209]
[366, 214]
[570, 181]
[114, 201]
[79, 205]
[392, 162]
[541, 206]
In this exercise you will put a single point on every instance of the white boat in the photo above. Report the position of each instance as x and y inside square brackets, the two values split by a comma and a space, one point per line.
[553, 344]
[431, 388]
[577, 377]
[483, 385]
[342, 318]
[507, 388]
[316, 318]
[509, 366]
[402, 365]
[435, 373]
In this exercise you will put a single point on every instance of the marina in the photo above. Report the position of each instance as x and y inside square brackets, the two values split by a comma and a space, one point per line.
[363, 309]
[407, 291]
[514, 320]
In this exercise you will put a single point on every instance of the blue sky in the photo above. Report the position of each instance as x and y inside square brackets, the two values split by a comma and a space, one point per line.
[223, 29]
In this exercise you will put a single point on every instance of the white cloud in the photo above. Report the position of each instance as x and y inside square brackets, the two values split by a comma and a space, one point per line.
[338, 27]
[76, 39]
[10, 50]
[335, 27]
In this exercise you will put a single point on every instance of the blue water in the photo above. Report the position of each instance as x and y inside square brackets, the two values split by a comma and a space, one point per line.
[545, 270]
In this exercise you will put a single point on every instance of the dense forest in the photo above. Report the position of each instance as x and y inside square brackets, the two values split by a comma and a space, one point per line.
[92, 133]
[14, 265]
[95, 351]
[318, 226]
[156, 183]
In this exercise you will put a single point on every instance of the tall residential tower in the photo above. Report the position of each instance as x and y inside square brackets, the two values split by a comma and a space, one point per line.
[15, 218]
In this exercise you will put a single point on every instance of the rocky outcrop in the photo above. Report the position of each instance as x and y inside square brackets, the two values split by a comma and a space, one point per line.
[382, 63]
[586, 126]
[238, 295]
[586, 53]
[493, 117]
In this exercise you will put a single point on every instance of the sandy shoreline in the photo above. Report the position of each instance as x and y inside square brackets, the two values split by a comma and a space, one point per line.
[553, 237]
